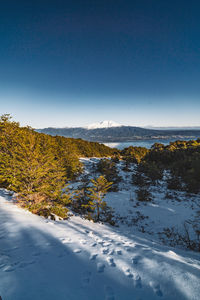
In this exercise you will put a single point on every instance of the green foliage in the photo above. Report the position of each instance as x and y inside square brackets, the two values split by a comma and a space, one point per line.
[107, 168]
[157, 147]
[139, 178]
[143, 195]
[81, 199]
[152, 171]
[47, 209]
[67, 153]
[182, 159]
[84, 203]
[134, 154]
[88, 149]
[126, 166]
[28, 164]
[99, 189]
[116, 157]
[173, 182]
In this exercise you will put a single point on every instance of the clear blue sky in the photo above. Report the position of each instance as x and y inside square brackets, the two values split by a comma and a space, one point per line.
[66, 63]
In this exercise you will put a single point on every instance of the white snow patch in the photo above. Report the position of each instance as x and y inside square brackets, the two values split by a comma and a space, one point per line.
[103, 124]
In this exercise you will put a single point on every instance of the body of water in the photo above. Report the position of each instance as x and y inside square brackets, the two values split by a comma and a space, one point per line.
[142, 143]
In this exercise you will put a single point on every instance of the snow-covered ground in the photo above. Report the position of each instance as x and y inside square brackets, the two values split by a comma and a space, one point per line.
[77, 259]
[162, 219]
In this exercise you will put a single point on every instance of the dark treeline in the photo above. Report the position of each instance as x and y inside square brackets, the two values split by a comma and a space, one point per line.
[181, 159]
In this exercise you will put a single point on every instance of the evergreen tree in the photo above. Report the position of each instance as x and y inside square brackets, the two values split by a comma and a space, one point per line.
[99, 189]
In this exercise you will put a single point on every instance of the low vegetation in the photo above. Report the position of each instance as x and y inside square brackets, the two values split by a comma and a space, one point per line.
[88, 200]
[108, 169]
[180, 159]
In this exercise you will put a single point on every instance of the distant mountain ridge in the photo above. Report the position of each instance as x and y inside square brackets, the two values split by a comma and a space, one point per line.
[110, 131]
[174, 128]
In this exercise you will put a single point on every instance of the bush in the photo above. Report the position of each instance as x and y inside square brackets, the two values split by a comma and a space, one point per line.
[134, 154]
[108, 169]
[143, 195]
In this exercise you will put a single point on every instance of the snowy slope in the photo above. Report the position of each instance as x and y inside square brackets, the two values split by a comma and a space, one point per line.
[77, 259]
[168, 211]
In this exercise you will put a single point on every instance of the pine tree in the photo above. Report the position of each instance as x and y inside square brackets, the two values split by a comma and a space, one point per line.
[99, 189]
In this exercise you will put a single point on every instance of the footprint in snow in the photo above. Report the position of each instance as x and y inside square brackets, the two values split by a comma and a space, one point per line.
[86, 277]
[106, 236]
[111, 262]
[100, 242]
[119, 252]
[137, 281]
[93, 256]
[105, 250]
[109, 293]
[100, 267]
[128, 248]
[156, 288]
[106, 244]
[128, 273]
[77, 250]
[111, 252]
[136, 259]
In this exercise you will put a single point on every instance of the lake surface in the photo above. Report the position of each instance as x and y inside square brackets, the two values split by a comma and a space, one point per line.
[143, 143]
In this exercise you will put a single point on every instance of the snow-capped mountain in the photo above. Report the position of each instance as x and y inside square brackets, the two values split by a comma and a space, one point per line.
[110, 131]
[103, 124]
